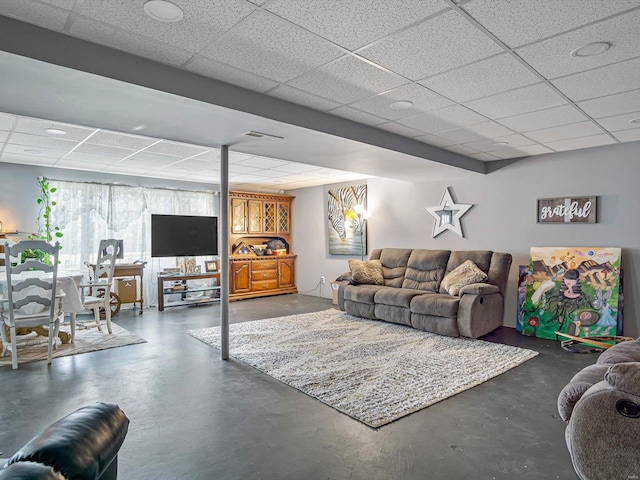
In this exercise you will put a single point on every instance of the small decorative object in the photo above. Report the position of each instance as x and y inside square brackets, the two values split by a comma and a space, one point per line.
[186, 264]
[243, 250]
[347, 228]
[573, 291]
[211, 266]
[448, 214]
[567, 210]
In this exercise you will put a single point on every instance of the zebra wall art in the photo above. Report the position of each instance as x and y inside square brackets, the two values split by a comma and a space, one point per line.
[344, 234]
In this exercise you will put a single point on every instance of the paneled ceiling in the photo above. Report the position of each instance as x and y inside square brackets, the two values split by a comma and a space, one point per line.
[484, 79]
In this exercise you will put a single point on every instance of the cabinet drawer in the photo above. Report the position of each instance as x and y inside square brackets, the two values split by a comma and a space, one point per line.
[264, 285]
[257, 275]
[264, 265]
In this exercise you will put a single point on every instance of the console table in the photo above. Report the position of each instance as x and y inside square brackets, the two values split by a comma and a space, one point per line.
[179, 286]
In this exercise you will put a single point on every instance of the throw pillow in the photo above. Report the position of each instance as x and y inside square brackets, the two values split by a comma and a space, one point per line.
[465, 274]
[368, 271]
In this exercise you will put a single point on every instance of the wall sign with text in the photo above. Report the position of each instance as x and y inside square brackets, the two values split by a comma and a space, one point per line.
[567, 210]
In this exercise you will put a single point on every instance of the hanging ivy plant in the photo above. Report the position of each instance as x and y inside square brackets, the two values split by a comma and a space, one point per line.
[46, 231]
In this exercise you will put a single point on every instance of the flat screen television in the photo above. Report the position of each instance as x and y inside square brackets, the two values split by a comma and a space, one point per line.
[183, 236]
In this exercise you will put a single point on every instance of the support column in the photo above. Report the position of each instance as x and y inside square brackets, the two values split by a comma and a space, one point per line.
[224, 251]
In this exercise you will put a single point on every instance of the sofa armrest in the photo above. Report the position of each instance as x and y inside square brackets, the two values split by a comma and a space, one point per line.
[479, 289]
[577, 386]
[82, 445]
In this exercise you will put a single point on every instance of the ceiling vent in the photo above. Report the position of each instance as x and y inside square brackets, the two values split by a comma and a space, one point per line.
[266, 136]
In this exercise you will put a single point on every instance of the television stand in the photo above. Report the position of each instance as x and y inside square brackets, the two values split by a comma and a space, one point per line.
[179, 287]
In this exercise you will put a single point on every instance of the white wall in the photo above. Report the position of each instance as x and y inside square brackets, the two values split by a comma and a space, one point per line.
[503, 218]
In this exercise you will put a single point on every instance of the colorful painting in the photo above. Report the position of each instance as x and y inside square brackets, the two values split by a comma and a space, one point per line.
[347, 233]
[572, 290]
[523, 274]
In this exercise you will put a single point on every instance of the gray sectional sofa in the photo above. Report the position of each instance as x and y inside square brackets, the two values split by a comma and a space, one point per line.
[413, 294]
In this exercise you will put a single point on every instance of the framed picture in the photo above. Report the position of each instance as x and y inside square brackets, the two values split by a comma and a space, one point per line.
[211, 266]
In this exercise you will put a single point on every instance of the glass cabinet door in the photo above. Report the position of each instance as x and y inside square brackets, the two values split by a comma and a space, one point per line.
[283, 217]
[269, 209]
[239, 215]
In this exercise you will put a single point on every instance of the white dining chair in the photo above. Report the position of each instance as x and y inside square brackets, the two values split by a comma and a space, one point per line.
[31, 295]
[96, 294]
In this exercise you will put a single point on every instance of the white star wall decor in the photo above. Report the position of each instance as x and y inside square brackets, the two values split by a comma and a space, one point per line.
[448, 215]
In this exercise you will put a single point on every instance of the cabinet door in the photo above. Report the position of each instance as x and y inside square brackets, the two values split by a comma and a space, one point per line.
[284, 220]
[240, 277]
[238, 215]
[286, 277]
[269, 215]
[255, 216]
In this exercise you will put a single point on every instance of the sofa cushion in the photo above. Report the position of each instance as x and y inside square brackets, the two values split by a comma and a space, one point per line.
[369, 272]
[482, 259]
[398, 297]
[435, 304]
[623, 352]
[425, 269]
[361, 293]
[394, 264]
[465, 274]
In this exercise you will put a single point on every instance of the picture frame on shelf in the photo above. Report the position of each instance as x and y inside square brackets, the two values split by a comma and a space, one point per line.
[211, 266]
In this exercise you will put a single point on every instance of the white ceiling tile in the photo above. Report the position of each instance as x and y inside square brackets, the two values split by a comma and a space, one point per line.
[523, 151]
[357, 115]
[259, 2]
[423, 99]
[213, 155]
[245, 178]
[552, 57]
[123, 168]
[426, 49]
[347, 80]
[496, 143]
[31, 151]
[78, 165]
[620, 122]
[262, 162]
[197, 166]
[227, 73]
[66, 4]
[479, 131]
[3, 135]
[294, 95]
[549, 117]
[97, 32]
[354, 24]
[122, 140]
[177, 149]
[7, 121]
[272, 174]
[628, 135]
[297, 168]
[242, 169]
[34, 12]
[484, 157]
[612, 105]
[203, 21]
[483, 78]
[27, 159]
[443, 119]
[400, 129]
[35, 126]
[435, 140]
[516, 22]
[90, 159]
[104, 150]
[564, 132]
[153, 158]
[271, 47]
[584, 142]
[39, 141]
[462, 149]
[617, 78]
[515, 102]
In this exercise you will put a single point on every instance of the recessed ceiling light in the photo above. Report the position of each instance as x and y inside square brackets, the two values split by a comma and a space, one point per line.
[31, 150]
[163, 11]
[497, 144]
[635, 120]
[401, 105]
[266, 136]
[55, 131]
[591, 49]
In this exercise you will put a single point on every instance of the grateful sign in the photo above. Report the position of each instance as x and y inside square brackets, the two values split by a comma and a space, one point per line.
[567, 210]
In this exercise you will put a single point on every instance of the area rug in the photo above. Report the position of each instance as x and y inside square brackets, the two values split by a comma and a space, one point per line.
[373, 371]
[88, 339]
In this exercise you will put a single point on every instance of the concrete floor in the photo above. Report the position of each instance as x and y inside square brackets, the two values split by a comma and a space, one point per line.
[194, 416]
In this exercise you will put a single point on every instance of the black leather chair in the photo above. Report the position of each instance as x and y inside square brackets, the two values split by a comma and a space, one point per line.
[83, 445]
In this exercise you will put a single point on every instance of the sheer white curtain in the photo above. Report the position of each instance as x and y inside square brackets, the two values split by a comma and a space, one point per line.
[89, 212]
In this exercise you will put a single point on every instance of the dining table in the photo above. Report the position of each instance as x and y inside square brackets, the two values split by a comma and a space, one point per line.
[67, 283]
